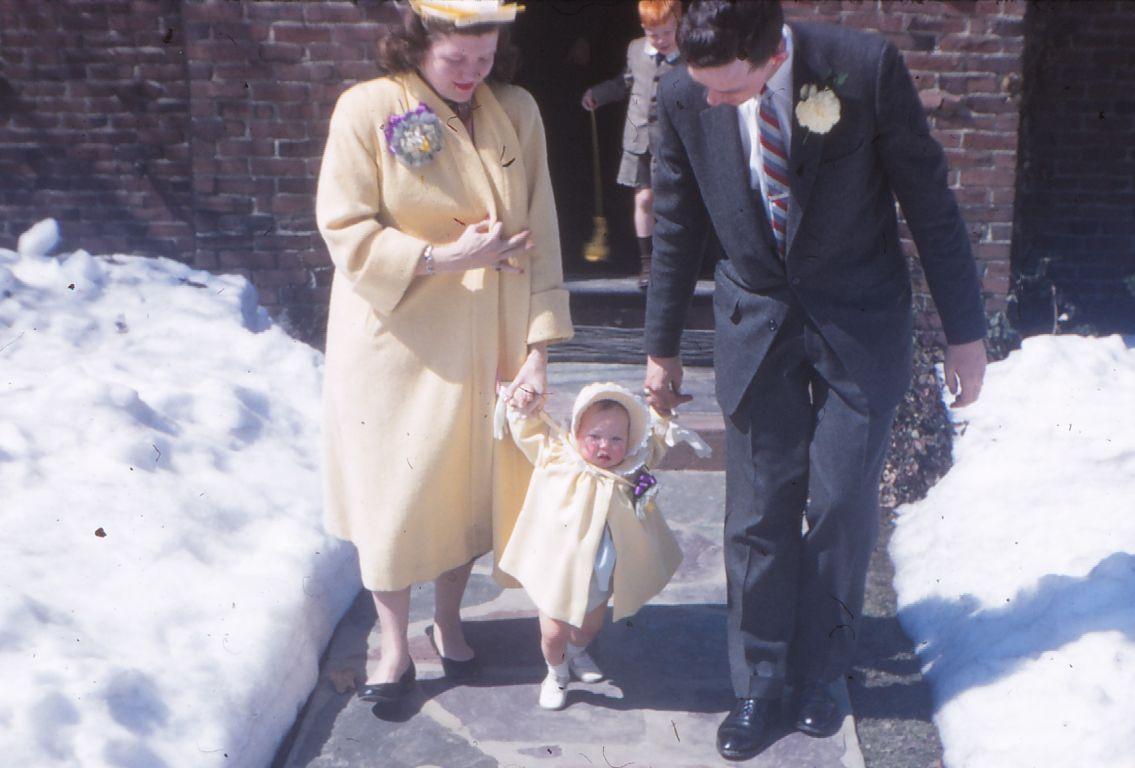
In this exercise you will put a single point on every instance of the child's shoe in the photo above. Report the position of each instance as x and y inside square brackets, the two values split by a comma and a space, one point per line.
[553, 691]
[583, 668]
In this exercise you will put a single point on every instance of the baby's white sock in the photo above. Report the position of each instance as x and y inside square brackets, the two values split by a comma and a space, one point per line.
[561, 670]
[553, 690]
[573, 650]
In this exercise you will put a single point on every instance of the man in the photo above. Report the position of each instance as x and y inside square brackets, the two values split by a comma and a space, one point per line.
[793, 143]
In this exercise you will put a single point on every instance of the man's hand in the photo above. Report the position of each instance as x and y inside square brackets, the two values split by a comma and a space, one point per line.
[663, 384]
[965, 371]
[588, 101]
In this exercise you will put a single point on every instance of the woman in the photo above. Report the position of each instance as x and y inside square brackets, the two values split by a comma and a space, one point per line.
[435, 204]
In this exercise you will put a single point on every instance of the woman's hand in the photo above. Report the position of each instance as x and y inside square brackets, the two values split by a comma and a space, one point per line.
[526, 393]
[481, 245]
[588, 101]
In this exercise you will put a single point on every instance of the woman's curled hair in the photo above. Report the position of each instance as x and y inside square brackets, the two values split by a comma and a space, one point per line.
[402, 46]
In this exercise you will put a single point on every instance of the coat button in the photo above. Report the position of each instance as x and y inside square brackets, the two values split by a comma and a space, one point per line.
[772, 325]
[796, 281]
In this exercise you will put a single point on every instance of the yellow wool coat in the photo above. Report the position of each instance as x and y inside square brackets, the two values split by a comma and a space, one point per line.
[569, 503]
[412, 474]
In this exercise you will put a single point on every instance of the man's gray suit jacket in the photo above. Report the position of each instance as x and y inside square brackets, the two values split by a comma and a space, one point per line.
[844, 266]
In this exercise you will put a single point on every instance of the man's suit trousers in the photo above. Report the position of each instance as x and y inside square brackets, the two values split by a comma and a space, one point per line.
[803, 445]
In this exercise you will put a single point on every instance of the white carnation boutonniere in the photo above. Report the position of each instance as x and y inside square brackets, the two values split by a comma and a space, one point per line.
[414, 137]
[818, 109]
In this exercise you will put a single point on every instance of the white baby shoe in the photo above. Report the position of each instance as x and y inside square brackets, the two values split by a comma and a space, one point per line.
[553, 691]
[584, 669]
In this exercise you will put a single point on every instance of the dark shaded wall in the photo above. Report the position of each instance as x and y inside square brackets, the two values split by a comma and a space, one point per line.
[1075, 222]
[567, 47]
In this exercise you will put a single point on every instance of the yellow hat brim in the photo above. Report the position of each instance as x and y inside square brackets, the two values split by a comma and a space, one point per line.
[466, 13]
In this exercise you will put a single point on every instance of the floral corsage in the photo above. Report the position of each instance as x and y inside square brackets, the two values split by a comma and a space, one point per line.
[645, 489]
[818, 108]
[414, 137]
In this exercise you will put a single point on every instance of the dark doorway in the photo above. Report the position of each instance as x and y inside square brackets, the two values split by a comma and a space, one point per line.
[568, 46]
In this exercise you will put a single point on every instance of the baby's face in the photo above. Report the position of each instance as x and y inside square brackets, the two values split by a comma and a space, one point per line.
[603, 436]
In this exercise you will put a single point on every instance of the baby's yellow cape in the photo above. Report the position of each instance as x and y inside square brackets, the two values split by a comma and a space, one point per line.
[551, 551]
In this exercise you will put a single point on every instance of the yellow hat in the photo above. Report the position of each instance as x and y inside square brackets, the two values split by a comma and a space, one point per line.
[465, 13]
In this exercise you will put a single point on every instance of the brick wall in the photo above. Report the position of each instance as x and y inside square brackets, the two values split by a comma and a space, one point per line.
[263, 78]
[193, 128]
[965, 58]
[94, 123]
[1076, 195]
[182, 128]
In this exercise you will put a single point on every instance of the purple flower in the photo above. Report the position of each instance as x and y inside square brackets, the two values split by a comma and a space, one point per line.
[643, 482]
[414, 137]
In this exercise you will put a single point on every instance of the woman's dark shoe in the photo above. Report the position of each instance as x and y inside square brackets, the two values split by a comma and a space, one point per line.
[743, 732]
[389, 693]
[454, 669]
[819, 713]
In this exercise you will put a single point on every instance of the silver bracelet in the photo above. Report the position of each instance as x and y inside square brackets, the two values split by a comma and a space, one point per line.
[428, 258]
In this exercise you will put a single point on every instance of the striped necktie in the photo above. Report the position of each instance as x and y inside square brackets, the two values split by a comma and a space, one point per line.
[774, 161]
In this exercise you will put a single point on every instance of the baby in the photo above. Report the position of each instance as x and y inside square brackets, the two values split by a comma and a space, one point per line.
[588, 530]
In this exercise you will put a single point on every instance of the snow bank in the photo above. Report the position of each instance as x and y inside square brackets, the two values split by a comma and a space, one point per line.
[167, 588]
[1016, 575]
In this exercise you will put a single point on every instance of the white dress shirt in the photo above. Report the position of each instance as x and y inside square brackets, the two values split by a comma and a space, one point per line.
[781, 86]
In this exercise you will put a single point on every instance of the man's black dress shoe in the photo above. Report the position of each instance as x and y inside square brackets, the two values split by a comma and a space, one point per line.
[454, 669]
[389, 693]
[819, 713]
[742, 733]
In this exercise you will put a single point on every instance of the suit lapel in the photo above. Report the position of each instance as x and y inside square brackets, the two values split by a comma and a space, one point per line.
[723, 138]
[804, 155]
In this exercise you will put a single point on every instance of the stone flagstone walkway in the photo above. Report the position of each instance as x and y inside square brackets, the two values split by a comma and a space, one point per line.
[668, 684]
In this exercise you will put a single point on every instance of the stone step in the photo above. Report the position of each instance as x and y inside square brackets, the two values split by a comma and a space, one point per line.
[618, 302]
[606, 344]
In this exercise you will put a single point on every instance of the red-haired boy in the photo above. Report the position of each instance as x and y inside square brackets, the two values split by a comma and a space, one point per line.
[648, 58]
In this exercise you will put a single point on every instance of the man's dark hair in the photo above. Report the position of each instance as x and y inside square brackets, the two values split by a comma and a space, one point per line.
[716, 32]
